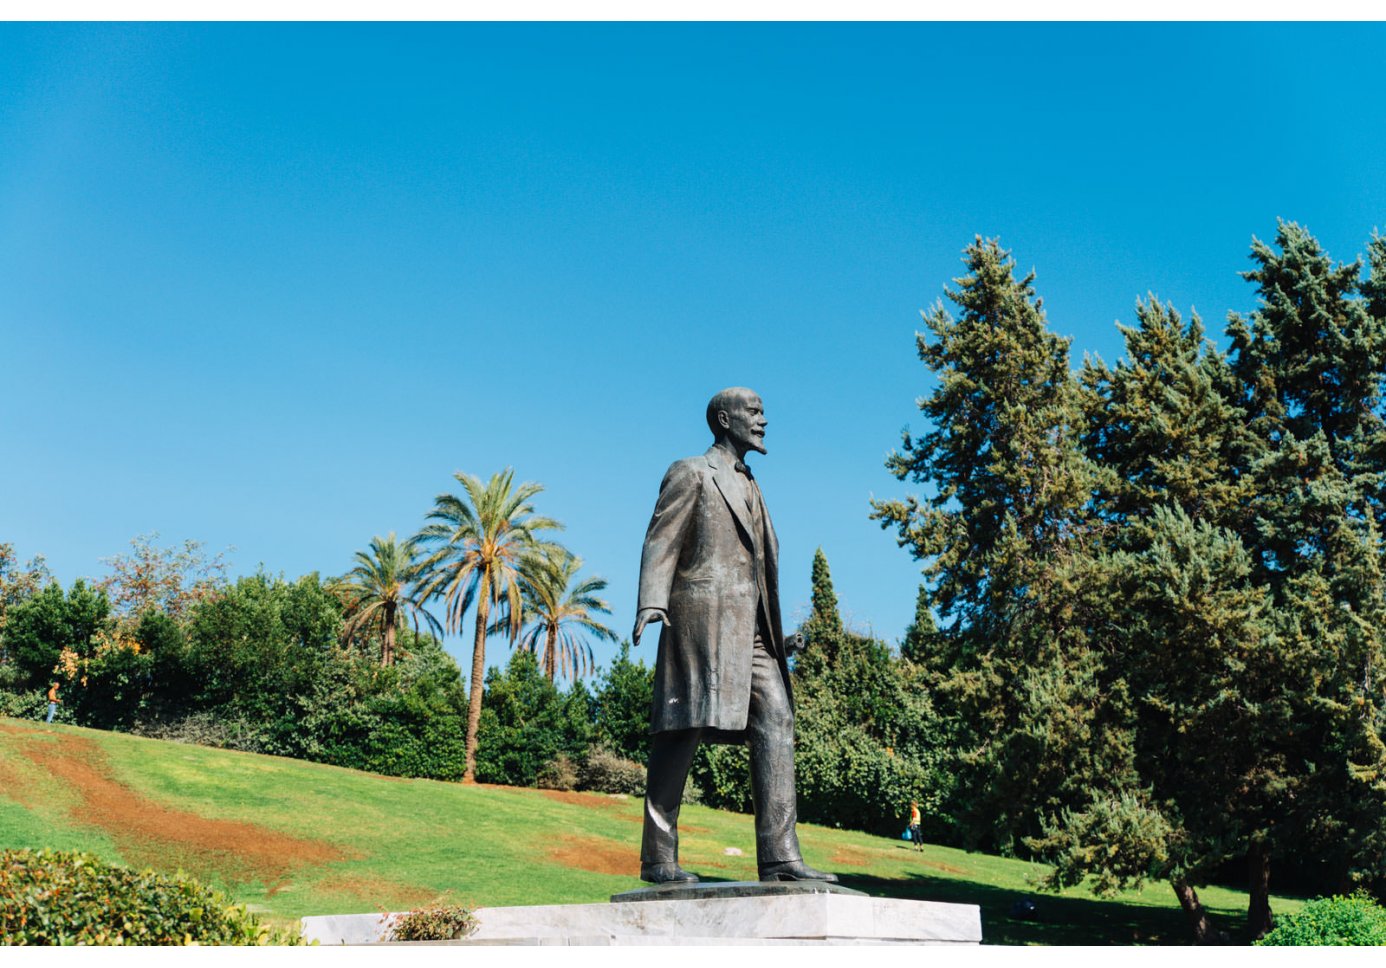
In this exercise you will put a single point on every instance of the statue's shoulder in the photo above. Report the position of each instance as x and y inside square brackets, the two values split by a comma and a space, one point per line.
[687, 470]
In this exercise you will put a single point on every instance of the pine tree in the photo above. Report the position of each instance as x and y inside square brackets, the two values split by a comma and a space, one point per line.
[1187, 637]
[921, 642]
[1002, 539]
[1311, 361]
[1164, 425]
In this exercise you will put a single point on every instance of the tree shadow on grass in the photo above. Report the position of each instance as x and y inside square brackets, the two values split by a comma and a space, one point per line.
[1055, 920]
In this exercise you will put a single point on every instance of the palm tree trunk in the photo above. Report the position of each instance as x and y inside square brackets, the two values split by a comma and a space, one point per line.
[550, 659]
[387, 648]
[483, 609]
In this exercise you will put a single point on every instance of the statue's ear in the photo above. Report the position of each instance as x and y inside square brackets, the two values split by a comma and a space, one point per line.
[723, 420]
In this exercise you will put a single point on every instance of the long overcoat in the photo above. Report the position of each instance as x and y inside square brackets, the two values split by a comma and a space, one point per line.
[699, 564]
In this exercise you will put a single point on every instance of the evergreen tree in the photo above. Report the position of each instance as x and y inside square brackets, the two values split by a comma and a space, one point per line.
[1242, 535]
[868, 741]
[823, 632]
[621, 704]
[1164, 426]
[825, 613]
[921, 643]
[1310, 362]
[1004, 540]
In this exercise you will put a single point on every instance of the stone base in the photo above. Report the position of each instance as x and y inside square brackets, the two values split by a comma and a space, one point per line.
[801, 912]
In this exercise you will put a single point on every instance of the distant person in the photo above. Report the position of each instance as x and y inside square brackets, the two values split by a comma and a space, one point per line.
[916, 833]
[53, 701]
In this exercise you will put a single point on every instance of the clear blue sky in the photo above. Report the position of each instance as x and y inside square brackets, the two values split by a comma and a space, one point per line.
[269, 286]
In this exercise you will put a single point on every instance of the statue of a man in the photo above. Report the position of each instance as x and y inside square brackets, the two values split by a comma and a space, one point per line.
[710, 574]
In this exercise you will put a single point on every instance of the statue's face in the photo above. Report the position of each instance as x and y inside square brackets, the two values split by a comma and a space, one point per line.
[746, 424]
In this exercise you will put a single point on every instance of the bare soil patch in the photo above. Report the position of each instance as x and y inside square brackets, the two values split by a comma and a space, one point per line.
[379, 891]
[850, 857]
[598, 855]
[582, 799]
[946, 868]
[150, 833]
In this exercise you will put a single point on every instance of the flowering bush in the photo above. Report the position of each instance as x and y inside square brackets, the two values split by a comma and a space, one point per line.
[65, 897]
[434, 922]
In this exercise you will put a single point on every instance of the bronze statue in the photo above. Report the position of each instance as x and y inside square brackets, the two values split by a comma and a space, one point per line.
[710, 574]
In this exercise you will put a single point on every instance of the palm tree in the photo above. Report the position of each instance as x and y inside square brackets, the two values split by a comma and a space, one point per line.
[381, 593]
[557, 610]
[485, 541]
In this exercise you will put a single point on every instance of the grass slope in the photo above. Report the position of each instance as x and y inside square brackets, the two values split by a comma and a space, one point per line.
[291, 838]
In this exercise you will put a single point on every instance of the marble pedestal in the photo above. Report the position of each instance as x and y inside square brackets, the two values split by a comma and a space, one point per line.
[802, 912]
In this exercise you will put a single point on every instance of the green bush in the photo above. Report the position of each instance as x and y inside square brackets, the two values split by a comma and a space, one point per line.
[65, 897]
[722, 773]
[606, 772]
[29, 704]
[435, 922]
[1353, 920]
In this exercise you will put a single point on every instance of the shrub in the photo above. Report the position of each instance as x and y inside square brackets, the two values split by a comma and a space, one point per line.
[208, 727]
[65, 897]
[723, 774]
[1351, 920]
[558, 774]
[434, 922]
[605, 772]
[29, 704]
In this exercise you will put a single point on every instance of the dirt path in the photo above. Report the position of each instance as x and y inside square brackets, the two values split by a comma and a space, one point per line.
[153, 834]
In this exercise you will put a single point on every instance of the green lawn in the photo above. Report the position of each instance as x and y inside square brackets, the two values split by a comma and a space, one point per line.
[291, 839]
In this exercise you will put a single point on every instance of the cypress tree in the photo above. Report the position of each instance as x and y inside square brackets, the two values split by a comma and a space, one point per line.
[825, 613]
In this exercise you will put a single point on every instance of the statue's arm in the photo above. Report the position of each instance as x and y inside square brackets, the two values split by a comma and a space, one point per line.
[670, 523]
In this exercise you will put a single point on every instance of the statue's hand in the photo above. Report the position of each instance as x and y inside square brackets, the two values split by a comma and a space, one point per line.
[645, 617]
[794, 643]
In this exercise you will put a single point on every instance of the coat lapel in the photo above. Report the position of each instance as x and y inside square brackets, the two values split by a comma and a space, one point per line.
[722, 476]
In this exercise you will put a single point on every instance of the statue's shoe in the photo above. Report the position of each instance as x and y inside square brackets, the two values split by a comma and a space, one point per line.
[794, 870]
[666, 874]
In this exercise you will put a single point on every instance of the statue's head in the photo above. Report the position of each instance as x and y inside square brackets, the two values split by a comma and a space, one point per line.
[737, 415]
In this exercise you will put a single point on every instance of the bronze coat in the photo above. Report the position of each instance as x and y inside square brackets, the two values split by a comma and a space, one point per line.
[699, 564]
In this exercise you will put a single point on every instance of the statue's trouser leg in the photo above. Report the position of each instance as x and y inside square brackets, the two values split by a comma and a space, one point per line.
[770, 735]
[671, 754]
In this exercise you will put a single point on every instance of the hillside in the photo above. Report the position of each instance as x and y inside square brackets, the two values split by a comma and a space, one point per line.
[291, 838]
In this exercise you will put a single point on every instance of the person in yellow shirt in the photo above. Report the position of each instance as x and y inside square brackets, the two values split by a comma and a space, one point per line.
[53, 701]
[916, 834]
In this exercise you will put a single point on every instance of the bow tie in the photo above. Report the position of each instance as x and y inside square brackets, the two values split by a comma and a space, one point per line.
[741, 468]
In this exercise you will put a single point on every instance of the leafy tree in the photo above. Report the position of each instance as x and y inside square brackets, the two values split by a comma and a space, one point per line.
[18, 584]
[172, 580]
[46, 633]
[407, 719]
[621, 705]
[557, 609]
[381, 593]
[482, 542]
[261, 644]
[527, 723]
